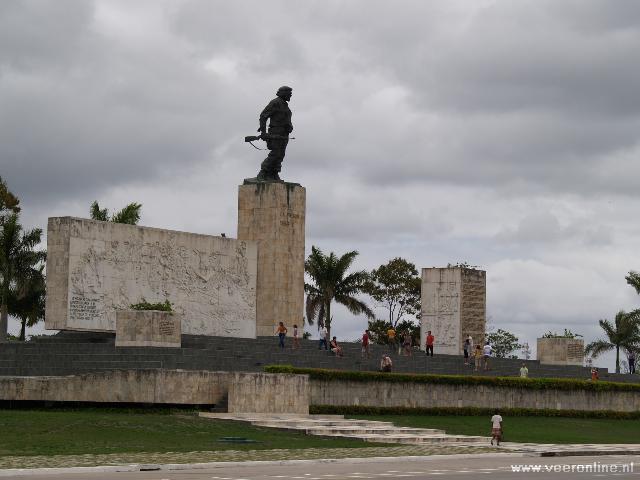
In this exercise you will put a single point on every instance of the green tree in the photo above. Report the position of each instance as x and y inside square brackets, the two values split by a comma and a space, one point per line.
[9, 203]
[503, 343]
[633, 279]
[567, 334]
[129, 214]
[395, 286]
[408, 326]
[18, 259]
[623, 333]
[331, 282]
[378, 331]
[28, 304]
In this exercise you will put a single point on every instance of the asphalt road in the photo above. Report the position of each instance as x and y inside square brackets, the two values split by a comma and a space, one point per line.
[449, 468]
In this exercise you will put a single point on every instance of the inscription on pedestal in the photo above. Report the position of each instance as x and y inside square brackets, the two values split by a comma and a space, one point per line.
[166, 327]
[83, 308]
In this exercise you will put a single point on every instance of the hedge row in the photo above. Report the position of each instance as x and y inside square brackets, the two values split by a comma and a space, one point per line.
[510, 382]
[468, 411]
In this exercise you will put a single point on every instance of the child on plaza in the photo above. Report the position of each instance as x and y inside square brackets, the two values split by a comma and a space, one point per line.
[296, 339]
[365, 344]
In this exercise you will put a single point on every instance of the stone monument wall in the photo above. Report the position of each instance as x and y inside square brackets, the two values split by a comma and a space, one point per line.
[473, 312]
[440, 299]
[96, 268]
[453, 306]
[560, 351]
[273, 215]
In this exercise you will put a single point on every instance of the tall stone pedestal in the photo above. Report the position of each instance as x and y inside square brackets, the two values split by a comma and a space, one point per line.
[272, 214]
[453, 307]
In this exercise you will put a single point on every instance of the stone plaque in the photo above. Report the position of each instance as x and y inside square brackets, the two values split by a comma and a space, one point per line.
[147, 328]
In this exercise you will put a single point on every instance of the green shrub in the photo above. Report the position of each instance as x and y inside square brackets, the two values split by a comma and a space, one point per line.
[565, 384]
[467, 411]
[165, 306]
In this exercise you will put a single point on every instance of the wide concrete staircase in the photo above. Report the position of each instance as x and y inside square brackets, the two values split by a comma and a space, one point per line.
[69, 353]
[338, 426]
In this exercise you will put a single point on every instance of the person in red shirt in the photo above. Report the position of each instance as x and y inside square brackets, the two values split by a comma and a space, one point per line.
[365, 344]
[430, 339]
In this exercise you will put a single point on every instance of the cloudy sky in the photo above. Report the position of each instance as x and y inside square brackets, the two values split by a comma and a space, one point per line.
[500, 133]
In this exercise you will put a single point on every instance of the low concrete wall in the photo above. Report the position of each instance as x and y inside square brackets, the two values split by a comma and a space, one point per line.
[386, 394]
[148, 328]
[121, 386]
[269, 393]
[246, 392]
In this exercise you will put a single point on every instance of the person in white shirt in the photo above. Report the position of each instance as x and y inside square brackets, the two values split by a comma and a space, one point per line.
[386, 363]
[496, 428]
[486, 351]
[524, 371]
[323, 338]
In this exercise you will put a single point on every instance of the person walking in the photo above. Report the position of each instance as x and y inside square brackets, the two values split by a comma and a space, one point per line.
[477, 357]
[324, 333]
[430, 339]
[486, 353]
[296, 339]
[365, 344]
[496, 428]
[524, 371]
[282, 332]
[407, 343]
[391, 338]
[465, 351]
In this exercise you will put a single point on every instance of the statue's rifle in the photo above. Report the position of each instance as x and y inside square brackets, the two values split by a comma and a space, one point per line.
[267, 136]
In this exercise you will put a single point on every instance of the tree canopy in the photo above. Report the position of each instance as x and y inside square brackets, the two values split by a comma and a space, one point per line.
[129, 215]
[332, 282]
[9, 203]
[623, 333]
[633, 279]
[503, 343]
[21, 278]
[395, 286]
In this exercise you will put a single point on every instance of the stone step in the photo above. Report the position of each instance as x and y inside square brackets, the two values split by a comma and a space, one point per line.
[418, 439]
[339, 427]
[357, 430]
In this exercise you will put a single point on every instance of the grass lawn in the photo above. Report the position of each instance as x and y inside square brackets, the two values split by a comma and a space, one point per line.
[528, 429]
[60, 432]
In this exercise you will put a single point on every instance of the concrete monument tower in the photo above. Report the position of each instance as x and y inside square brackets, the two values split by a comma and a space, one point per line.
[453, 307]
[271, 212]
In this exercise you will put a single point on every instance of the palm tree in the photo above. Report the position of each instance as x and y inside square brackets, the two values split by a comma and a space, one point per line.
[129, 214]
[18, 259]
[29, 302]
[633, 279]
[624, 334]
[331, 282]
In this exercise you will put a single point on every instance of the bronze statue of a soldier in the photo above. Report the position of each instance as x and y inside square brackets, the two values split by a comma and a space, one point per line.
[279, 115]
